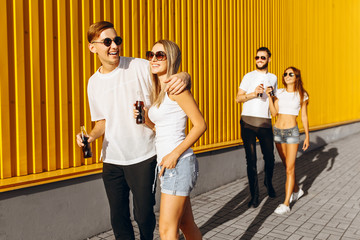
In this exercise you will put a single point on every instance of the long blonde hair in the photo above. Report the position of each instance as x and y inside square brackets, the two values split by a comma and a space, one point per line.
[173, 55]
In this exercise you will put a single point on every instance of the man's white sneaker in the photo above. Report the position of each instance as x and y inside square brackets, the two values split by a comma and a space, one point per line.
[296, 195]
[282, 209]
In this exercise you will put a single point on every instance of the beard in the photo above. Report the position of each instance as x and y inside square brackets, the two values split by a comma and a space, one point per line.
[263, 67]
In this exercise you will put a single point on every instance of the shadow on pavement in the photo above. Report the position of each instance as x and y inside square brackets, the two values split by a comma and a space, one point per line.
[308, 167]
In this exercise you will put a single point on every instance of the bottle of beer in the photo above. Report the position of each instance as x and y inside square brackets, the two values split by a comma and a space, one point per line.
[268, 84]
[139, 105]
[259, 95]
[86, 148]
[272, 91]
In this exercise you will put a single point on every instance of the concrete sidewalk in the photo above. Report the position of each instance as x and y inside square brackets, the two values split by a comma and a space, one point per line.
[330, 208]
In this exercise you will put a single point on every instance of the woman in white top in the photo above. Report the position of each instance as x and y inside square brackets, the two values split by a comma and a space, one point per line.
[286, 106]
[177, 163]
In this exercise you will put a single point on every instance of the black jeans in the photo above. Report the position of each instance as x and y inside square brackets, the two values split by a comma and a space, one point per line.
[138, 178]
[265, 135]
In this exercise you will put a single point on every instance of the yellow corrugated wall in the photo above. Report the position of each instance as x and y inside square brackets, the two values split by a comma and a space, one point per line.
[45, 65]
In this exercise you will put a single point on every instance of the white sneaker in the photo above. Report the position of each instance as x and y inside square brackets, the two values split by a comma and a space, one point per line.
[296, 195]
[282, 209]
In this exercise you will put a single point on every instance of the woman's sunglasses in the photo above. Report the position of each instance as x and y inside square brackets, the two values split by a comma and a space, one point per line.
[262, 58]
[107, 41]
[160, 55]
[290, 74]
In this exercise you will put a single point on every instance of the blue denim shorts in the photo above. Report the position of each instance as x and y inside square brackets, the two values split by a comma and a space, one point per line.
[179, 181]
[289, 136]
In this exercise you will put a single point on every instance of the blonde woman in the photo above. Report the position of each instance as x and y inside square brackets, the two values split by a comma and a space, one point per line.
[286, 106]
[177, 164]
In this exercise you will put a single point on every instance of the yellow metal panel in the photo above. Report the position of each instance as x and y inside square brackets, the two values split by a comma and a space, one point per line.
[201, 61]
[96, 16]
[62, 86]
[142, 30]
[126, 27]
[221, 84]
[20, 165]
[50, 136]
[75, 159]
[157, 23]
[117, 17]
[183, 36]
[171, 28]
[107, 10]
[212, 68]
[231, 73]
[204, 46]
[86, 68]
[96, 11]
[36, 128]
[44, 87]
[5, 147]
[164, 20]
[193, 48]
[217, 66]
[135, 29]
[150, 31]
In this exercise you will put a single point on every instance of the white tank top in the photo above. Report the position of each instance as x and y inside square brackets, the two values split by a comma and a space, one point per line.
[170, 123]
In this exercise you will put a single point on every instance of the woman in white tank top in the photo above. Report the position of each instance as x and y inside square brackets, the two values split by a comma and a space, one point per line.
[286, 106]
[177, 164]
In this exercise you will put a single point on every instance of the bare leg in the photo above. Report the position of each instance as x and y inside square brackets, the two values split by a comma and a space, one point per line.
[291, 151]
[187, 224]
[282, 150]
[171, 210]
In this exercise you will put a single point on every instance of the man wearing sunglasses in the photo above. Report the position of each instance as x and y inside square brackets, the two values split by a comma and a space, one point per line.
[128, 151]
[256, 122]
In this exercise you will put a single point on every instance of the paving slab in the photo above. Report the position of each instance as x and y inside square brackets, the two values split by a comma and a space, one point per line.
[329, 209]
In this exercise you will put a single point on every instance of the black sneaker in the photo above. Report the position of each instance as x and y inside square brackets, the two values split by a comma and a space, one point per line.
[254, 202]
[271, 192]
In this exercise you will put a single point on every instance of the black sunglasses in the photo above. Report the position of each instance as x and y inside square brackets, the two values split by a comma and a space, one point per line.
[107, 41]
[262, 58]
[160, 55]
[290, 74]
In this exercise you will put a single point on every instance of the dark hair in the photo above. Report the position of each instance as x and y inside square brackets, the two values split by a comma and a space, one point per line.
[298, 83]
[97, 28]
[264, 49]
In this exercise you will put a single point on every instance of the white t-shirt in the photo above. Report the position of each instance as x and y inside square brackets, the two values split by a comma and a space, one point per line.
[170, 123]
[257, 107]
[112, 97]
[289, 102]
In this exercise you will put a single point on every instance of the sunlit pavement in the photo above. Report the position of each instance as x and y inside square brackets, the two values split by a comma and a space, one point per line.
[330, 208]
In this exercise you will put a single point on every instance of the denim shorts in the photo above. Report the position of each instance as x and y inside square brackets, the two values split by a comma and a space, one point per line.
[179, 181]
[289, 136]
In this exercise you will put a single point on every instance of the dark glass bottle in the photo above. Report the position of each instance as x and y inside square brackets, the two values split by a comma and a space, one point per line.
[86, 148]
[260, 94]
[272, 91]
[140, 107]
